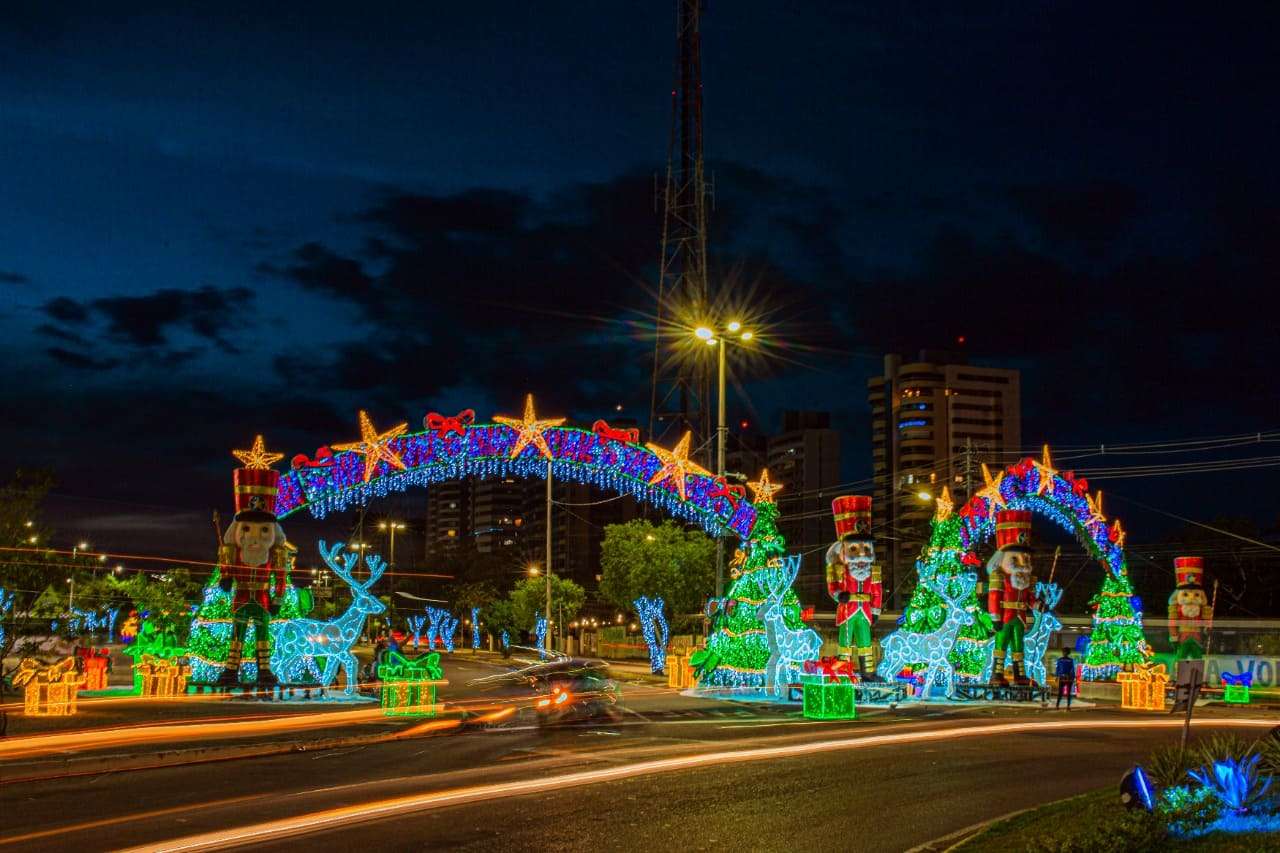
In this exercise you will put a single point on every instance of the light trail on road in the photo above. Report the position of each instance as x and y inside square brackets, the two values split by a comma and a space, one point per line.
[330, 819]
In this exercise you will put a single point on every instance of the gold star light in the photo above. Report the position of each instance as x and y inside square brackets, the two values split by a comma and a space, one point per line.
[257, 458]
[1117, 534]
[529, 429]
[943, 505]
[1047, 472]
[1096, 516]
[991, 491]
[763, 489]
[676, 465]
[373, 446]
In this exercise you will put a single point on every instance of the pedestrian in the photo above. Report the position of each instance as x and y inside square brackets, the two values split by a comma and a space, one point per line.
[1066, 672]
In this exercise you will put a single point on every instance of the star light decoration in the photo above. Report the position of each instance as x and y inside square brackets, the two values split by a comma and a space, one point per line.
[374, 446]
[991, 491]
[257, 458]
[763, 489]
[943, 505]
[676, 465]
[529, 430]
[1047, 473]
[1096, 515]
[1117, 534]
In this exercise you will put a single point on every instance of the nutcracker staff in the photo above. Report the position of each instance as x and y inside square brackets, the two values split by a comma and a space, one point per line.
[853, 580]
[254, 558]
[1190, 613]
[1011, 591]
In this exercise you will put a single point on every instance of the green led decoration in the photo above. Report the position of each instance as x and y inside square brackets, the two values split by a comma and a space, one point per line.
[409, 684]
[828, 697]
[1117, 637]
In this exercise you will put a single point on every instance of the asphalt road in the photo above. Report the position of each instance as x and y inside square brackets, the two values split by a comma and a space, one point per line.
[876, 795]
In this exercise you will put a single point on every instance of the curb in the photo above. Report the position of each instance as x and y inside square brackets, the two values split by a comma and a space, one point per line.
[952, 840]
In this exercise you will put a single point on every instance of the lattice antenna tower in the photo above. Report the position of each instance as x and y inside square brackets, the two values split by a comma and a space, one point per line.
[681, 386]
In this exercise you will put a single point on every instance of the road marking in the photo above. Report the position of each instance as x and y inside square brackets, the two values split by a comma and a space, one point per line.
[330, 819]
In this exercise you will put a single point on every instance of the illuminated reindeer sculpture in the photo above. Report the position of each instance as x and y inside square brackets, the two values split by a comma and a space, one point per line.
[934, 648]
[298, 642]
[788, 647]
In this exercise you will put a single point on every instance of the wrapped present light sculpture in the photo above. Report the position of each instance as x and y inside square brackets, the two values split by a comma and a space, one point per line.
[49, 691]
[828, 689]
[1143, 689]
[162, 678]
[95, 663]
[1235, 687]
[409, 684]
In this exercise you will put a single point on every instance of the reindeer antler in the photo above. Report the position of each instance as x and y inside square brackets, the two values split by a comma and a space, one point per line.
[1049, 594]
[376, 568]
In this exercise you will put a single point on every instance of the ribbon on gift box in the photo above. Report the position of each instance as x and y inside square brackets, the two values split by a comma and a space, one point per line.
[831, 668]
[400, 668]
[606, 433]
[1238, 679]
[323, 459]
[30, 670]
[721, 488]
[442, 425]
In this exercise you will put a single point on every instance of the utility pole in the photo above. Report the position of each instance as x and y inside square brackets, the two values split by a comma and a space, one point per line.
[548, 611]
[968, 468]
[722, 435]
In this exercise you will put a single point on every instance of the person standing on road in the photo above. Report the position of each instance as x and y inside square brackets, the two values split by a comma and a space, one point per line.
[1066, 672]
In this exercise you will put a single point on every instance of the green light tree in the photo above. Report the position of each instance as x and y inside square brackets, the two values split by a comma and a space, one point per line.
[926, 611]
[737, 651]
[1117, 639]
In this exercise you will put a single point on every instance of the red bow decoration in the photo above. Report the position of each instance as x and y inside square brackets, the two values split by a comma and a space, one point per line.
[970, 559]
[606, 432]
[806, 614]
[1079, 485]
[831, 668]
[442, 425]
[324, 458]
[722, 489]
[1023, 467]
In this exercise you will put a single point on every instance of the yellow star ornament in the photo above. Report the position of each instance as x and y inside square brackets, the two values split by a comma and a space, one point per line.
[1117, 534]
[943, 505]
[373, 446]
[676, 465]
[1047, 472]
[1096, 514]
[763, 489]
[529, 429]
[257, 458]
[991, 491]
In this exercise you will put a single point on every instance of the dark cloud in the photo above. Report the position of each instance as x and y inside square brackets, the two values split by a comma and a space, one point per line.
[9, 277]
[52, 331]
[1091, 214]
[66, 310]
[78, 361]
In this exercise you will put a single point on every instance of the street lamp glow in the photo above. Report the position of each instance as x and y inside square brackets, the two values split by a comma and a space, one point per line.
[533, 570]
[746, 336]
[735, 326]
[119, 569]
[924, 496]
[702, 332]
[711, 342]
[83, 545]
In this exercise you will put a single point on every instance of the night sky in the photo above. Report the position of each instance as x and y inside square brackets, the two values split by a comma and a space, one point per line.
[243, 219]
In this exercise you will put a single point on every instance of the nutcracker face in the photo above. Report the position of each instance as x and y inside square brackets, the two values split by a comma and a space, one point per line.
[1017, 565]
[254, 539]
[858, 557]
[1190, 601]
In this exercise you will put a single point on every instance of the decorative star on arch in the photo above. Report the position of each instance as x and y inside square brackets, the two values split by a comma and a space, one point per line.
[529, 429]
[1096, 515]
[676, 465]
[373, 446]
[991, 491]
[1117, 534]
[943, 505]
[1047, 472]
[763, 489]
[257, 458]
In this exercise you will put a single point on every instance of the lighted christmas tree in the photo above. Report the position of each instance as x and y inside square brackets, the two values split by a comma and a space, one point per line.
[1117, 638]
[925, 613]
[737, 651]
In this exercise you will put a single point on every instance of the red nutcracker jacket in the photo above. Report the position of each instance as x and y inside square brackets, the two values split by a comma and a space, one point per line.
[865, 597]
[1005, 602]
[253, 583]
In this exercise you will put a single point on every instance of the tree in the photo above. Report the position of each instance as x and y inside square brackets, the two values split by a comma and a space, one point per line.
[737, 651]
[529, 598]
[639, 559]
[926, 611]
[165, 599]
[1117, 637]
[465, 596]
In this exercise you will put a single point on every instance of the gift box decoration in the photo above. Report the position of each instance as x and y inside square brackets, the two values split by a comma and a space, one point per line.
[94, 664]
[1143, 689]
[163, 677]
[48, 691]
[828, 697]
[1235, 687]
[409, 684]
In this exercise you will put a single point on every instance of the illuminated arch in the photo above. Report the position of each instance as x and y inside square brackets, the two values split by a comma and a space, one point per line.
[450, 448]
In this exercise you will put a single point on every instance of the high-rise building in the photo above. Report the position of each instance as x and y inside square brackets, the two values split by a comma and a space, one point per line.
[448, 517]
[805, 459]
[933, 421]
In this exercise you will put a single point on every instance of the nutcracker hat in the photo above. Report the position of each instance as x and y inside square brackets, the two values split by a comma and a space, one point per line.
[256, 490]
[1013, 530]
[853, 517]
[1190, 572]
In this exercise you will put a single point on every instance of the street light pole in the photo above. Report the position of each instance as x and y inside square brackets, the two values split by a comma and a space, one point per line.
[71, 596]
[721, 435]
[548, 611]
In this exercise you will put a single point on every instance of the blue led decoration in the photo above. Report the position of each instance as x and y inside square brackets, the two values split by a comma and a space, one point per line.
[475, 627]
[300, 644]
[902, 649]
[89, 621]
[656, 631]
[789, 648]
[337, 481]
[506, 639]
[6, 604]
[442, 626]
[1036, 642]
[416, 623]
[540, 631]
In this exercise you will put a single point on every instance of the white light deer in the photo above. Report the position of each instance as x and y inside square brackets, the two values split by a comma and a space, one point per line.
[298, 642]
[902, 648]
[788, 647]
[1036, 642]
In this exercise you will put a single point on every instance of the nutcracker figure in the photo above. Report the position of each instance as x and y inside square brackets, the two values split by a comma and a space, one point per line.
[853, 580]
[254, 559]
[1011, 591]
[1190, 613]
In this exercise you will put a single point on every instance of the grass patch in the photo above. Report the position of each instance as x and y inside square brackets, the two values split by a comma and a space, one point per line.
[1097, 823]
